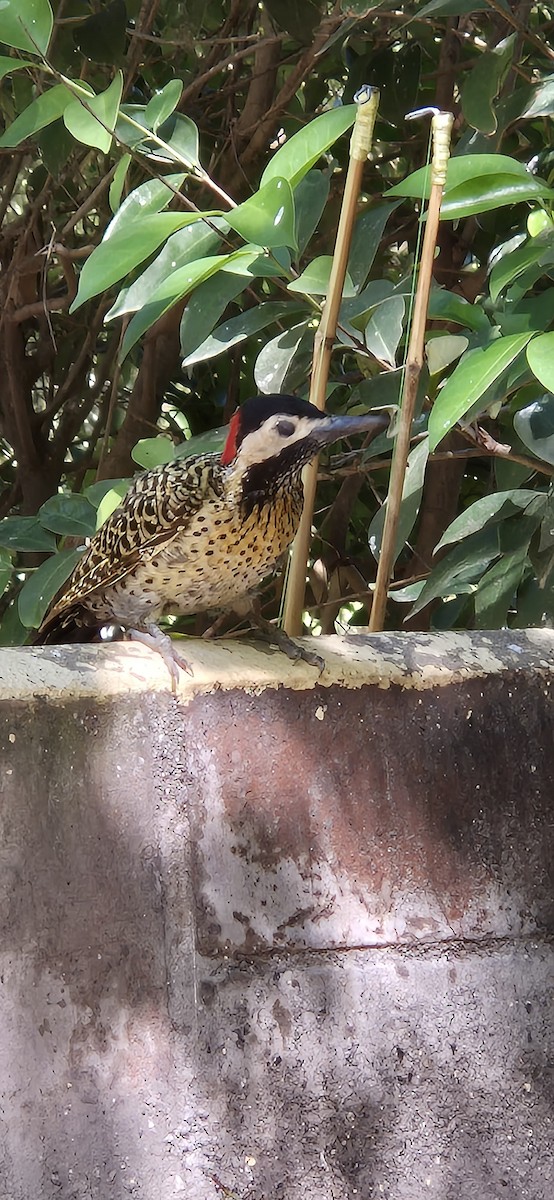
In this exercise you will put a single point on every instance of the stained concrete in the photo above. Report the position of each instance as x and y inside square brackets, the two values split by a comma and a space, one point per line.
[280, 936]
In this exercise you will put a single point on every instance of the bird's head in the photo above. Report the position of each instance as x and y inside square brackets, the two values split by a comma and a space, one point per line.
[272, 437]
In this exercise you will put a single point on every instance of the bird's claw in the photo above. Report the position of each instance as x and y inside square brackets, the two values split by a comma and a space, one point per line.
[300, 653]
[292, 649]
[166, 648]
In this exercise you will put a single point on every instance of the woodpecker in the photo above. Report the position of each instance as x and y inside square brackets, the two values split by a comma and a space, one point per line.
[200, 533]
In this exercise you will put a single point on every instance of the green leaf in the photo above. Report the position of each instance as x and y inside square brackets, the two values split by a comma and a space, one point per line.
[101, 38]
[299, 20]
[69, 515]
[509, 474]
[96, 491]
[94, 125]
[41, 586]
[483, 512]
[357, 311]
[153, 452]
[6, 569]
[41, 112]
[360, 7]
[512, 265]
[476, 372]
[529, 314]
[118, 254]
[539, 221]
[412, 491]
[181, 136]
[310, 198]
[461, 169]
[535, 426]
[314, 281]
[25, 534]
[483, 84]
[185, 246]
[380, 391]
[12, 632]
[443, 350]
[408, 594]
[490, 192]
[26, 24]
[237, 329]
[497, 588]
[179, 283]
[453, 7]
[129, 116]
[384, 329]
[264, 264]
[547, 524]
[54, 145]
[542, 102]
[366, 239]
[460, 568]
[206, 305]
[150, 197]
[162, 104]
[118, 182]
[540, 356]
[267, 218]
[532, 605]
[7, 65]
[274, 360]
[476, 183]
[178, 132]
[301, 152]
[211, 442]
[111, 499]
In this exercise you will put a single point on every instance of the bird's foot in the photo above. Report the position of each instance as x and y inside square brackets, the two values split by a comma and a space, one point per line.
[153, 637]
[278, 637]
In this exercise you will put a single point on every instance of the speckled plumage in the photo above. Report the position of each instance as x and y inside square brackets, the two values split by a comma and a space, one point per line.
[199, 533]
[180, 542]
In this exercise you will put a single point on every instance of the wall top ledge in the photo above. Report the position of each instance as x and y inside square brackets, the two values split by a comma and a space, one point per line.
[408, 660]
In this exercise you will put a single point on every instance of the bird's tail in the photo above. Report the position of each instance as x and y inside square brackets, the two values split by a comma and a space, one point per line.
[62, 628]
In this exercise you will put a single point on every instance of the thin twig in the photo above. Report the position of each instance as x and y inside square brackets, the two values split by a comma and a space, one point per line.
[114, 390]
[223, 65]
[90, 201]
[489, 446]
[509, 18]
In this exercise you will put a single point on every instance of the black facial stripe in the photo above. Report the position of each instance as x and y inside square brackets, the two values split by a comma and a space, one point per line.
[262, 480]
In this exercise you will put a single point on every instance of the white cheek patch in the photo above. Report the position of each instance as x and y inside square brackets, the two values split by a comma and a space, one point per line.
[266, 442]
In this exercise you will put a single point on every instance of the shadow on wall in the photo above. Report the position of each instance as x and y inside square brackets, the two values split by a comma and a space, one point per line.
[271, 1062]
[84, 1022]
[348, 1078]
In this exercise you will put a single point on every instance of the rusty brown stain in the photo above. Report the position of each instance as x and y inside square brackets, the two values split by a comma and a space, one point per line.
[390, 789]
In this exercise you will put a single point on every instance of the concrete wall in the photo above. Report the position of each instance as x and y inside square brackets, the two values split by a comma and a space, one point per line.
[278, 937]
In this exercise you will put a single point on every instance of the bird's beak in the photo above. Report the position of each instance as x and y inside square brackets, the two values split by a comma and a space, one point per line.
[330, 429]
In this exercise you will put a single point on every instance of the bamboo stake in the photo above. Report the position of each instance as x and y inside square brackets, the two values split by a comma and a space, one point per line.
[367, 100]
[441, 128]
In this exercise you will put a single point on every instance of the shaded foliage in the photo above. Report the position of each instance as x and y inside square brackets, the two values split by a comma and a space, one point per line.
[171, 181]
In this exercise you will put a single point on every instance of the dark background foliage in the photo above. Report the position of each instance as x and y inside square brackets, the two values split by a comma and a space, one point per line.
[214, 89]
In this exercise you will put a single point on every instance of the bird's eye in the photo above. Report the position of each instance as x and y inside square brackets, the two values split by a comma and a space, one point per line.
[285, 428]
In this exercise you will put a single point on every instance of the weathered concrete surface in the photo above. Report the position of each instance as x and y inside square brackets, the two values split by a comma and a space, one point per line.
[281, 935]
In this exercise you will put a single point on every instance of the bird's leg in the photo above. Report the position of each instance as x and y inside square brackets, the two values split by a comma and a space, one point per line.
[215, 627]
[153, 637]
[278, 637]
